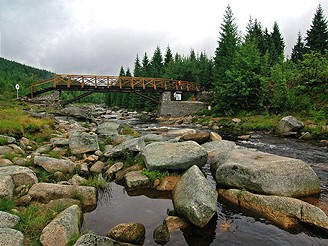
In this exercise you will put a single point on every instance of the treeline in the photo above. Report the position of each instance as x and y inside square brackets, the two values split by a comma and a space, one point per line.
[249, 72]
[12, 73]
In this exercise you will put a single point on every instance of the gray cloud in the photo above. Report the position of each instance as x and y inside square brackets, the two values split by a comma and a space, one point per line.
[53, 35]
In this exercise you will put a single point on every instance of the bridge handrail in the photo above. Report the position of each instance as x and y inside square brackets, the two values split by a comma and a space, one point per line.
[118, 81]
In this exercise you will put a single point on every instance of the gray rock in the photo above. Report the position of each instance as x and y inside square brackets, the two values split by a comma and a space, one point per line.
[8, 220]
[96, 240]
[173, 156]
[63, 227]
[11, 237]
[109, 129]
[288, 124]
[215, 148]
[45, 192]
[16, 149]
[180, 132]
[20, 175]
[135, 180]
[149, 138]
[265, 173]
[161, 234]
[59, 142]
[7, 139]
[53, 165]
[82, 142]
[44, 148]
[194, 198]
[6, 187]
[114, 169]
[76, 112]
[287, 212]
[128, 232]
[97, 167]
[5, 150]
[132, 146]
[5, 162]
[77, 180]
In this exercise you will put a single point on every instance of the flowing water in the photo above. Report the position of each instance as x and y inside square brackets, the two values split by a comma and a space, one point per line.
[231, 225]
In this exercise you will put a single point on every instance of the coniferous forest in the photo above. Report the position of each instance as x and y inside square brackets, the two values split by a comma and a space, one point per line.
[248, 72]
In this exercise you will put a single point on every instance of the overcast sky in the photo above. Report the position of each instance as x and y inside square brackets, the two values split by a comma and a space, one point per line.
[98, 36]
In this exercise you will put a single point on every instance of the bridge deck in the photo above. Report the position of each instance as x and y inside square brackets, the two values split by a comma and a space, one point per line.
[96, 83]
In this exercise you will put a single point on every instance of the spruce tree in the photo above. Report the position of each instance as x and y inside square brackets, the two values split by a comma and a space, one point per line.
[317, 35]
[157, 63]
[229, 41]
[276, 45]
[145, 66]
[298, 49]
[168, 56]
[122, 71]
[137, 71]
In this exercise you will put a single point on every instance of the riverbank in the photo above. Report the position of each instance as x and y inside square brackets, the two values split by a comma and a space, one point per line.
[79, 147]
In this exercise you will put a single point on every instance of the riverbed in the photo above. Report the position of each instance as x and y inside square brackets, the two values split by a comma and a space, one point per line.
[231, 225]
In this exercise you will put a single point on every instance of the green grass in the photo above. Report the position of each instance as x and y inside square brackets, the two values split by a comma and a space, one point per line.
[32, 221]
[97, 181]
[6, 205]
[156, 174]
[128, 130]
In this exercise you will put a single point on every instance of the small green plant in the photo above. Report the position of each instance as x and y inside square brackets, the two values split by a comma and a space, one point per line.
[98, 182]
[10, 156]
[3, 141]
[6, 205]
[240, 193]
[128, 130]
[156, 174]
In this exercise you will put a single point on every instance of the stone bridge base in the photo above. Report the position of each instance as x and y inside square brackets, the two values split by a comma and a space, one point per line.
[168, 107]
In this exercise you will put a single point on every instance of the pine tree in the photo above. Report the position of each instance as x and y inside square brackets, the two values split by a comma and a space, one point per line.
[145, 66]
[168, 56]
[229, 41]
[317, 36]
[298, 49]
[228, 45]
[276, 45]
[137, 71]
[122, 71]
[157, 63]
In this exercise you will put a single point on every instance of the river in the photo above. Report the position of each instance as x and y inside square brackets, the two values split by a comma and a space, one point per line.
[231, 225]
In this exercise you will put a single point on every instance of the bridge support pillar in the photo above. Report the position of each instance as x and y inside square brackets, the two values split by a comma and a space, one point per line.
[167, 107]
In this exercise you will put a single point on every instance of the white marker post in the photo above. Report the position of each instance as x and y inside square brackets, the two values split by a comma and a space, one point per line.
[17, 88]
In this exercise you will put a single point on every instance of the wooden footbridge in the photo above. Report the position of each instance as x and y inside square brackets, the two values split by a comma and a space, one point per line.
[105, 84]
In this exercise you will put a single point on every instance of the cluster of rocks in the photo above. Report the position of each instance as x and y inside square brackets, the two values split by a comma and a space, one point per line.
[258, 181]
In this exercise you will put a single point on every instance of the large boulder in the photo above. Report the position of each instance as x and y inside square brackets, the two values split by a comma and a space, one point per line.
[20, 175]
[82, 142]
[265, 173]
[11, 237]
[194, 198]
[45, 192]
[173, 156]
[63, 227]
[128, 232]
[8, 220]
[288, 125]
[286, 212]
[109, 129]
[7, 187]
[132, 146]
[93, 239]
[199, 137]
[136, 180]
[53, 165]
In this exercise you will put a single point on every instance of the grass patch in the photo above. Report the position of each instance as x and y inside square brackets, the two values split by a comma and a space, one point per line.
[98, 182]
[6, 205]
[17, 123]
[128, 130]
[32, 221]
[156, 174]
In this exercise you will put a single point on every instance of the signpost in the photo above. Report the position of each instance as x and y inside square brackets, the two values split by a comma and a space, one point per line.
[17, 88]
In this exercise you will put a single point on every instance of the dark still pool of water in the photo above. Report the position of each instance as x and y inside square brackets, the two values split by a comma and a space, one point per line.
[229, 226]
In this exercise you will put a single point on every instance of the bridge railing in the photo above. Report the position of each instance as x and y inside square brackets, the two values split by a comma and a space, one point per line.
[121, 82]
